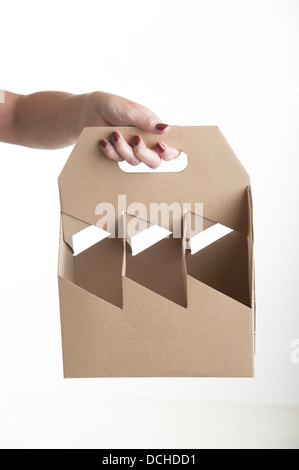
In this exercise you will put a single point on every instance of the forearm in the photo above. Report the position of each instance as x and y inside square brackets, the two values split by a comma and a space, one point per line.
[50, 119]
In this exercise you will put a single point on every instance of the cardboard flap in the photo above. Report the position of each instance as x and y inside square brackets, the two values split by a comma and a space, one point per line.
[201, 232]
[80, 236]
[141, 234]
[214, 176]
[71, 226]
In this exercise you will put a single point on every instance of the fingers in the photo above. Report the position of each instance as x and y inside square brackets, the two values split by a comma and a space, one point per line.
[110, 151]
[166, 152]
[124, 149]
[119, 150]
[151, 158]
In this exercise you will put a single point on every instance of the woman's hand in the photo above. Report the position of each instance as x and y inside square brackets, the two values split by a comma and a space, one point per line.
[51, 120]
[112, 110]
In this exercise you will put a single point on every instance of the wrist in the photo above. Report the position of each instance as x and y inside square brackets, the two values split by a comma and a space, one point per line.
[95, 104]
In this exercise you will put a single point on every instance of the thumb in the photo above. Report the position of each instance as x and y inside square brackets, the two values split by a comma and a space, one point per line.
[139, 116]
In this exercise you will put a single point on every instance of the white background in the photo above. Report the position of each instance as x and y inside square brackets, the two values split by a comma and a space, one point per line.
[231, 63]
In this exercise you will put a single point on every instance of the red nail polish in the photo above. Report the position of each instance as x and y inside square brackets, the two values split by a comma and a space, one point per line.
[135, 140]
[103, 143]
[160, 147]
[161, 127]
[115, 136]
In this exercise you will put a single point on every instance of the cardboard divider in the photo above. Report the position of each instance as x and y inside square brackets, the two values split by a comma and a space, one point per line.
[98, 269]
[66, 259]
[201, 232]
[159, 269]
[223, 265]
[141, 234]
[71, 226]
[162, 268]
[158, 264]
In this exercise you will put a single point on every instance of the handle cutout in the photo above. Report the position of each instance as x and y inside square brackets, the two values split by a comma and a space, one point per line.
[173, 166]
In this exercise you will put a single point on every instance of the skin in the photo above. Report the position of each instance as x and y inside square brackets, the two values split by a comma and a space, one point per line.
[51, 120]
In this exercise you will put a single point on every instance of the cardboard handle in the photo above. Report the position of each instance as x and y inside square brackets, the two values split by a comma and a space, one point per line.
[214, 176]
[173, 166]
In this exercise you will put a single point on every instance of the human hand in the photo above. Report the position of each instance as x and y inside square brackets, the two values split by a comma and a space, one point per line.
[112, 110]
[53, 119]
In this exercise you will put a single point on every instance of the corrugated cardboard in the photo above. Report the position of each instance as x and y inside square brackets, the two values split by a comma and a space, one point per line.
[163, 312]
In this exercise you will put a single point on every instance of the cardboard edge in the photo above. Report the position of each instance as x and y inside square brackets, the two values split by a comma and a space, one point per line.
[126, 278]
[81, 137]
[246, 376]
[184, 264]
[62, 266]
[225, 296]
[237, 161]
[75, 286]
[251, 257]
[250, 206]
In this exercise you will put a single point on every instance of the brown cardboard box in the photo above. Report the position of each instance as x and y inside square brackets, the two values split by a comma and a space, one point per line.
[163, 312]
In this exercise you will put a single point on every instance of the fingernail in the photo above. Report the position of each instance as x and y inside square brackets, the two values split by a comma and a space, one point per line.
[115, 136]
[103, 143]
[135, 140]
[161, 127]
[160, 147]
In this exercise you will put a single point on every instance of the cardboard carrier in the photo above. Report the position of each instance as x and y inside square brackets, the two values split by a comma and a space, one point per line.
[148, 303]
